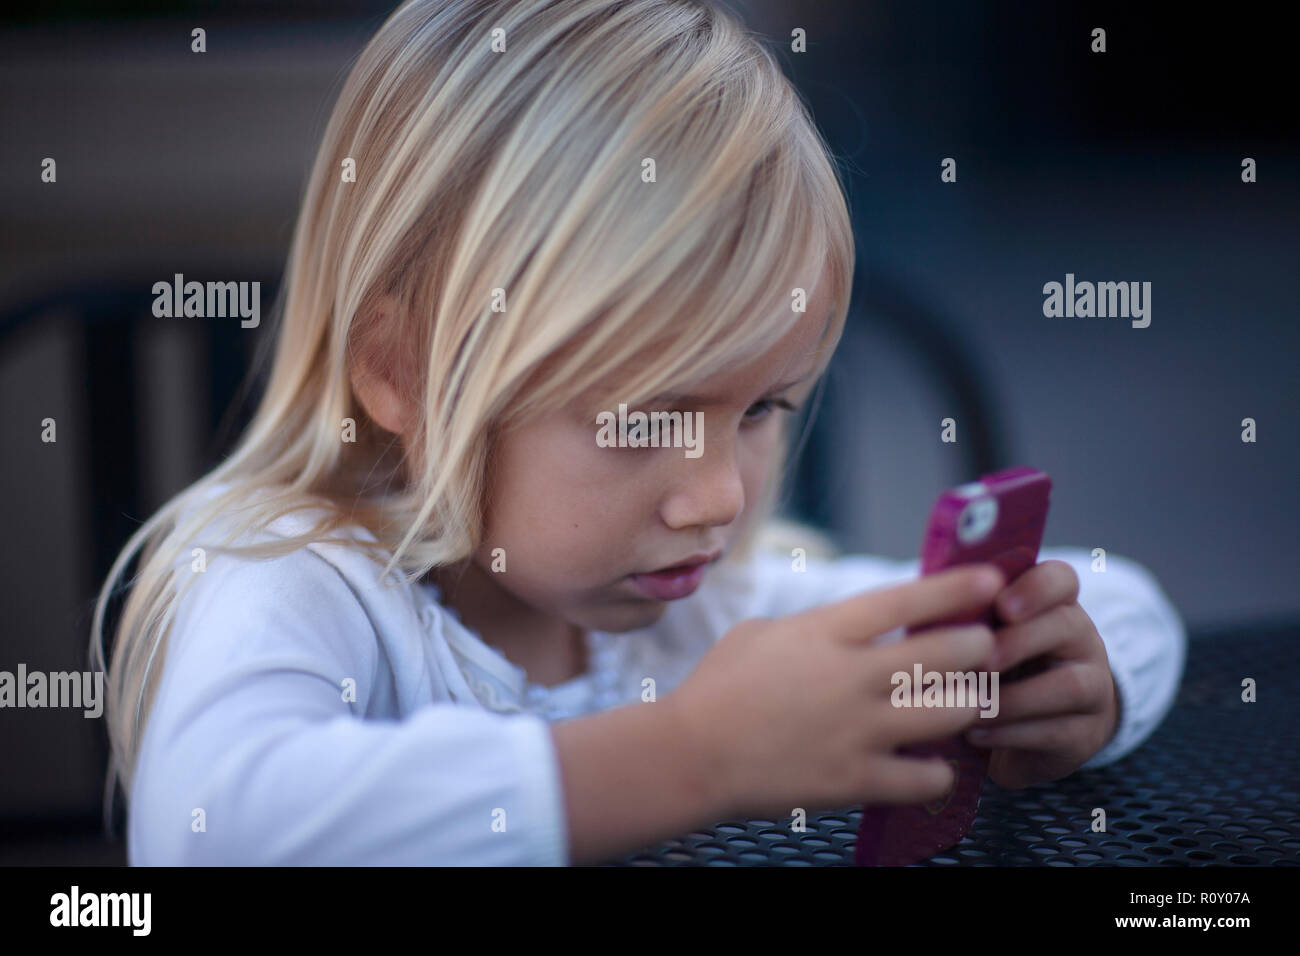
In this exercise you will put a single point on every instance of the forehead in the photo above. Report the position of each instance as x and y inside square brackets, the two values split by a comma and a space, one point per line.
[801, 350]
[788, 361]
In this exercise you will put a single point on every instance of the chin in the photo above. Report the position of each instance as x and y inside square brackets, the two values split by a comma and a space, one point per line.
[632, 616]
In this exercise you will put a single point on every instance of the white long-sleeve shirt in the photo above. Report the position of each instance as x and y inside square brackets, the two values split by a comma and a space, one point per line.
[308, 714]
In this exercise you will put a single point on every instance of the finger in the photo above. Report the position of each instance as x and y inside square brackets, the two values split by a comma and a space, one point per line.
[912, 779]
[1072, 688]
[944, 649]
[1049, 733]
[914, 725]
[1063, 631]
[1046, 584]
[931, 598]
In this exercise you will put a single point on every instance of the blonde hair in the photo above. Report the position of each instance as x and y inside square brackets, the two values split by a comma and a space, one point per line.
[516, 168]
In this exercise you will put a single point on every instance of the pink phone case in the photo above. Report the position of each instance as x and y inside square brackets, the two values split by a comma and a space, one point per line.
[997, 520]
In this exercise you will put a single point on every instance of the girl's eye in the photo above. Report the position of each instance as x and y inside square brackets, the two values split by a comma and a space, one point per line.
[765, 407]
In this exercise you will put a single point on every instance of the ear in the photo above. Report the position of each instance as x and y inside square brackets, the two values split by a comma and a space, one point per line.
[374, 387]
[380, 400]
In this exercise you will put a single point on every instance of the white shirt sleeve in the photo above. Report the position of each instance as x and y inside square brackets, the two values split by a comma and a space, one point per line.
[1145, 639]
[250, 726]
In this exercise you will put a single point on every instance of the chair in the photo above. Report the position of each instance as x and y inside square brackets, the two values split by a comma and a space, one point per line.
[110, 314]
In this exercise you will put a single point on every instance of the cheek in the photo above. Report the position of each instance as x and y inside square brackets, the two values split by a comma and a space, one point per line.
[559, 498]
[756, 466]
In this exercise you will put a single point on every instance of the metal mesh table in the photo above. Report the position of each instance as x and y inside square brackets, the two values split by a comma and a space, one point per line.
[1217, 783]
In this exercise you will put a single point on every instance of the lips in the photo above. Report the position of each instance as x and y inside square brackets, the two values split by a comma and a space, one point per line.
[675, 581]
[693, 561]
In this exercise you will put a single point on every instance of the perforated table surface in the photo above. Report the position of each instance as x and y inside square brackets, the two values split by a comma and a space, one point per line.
[1217, 783]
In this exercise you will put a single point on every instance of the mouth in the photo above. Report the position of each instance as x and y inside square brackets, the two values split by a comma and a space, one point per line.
[675, 581]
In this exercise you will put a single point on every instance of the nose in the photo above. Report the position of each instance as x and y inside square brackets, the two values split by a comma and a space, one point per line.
[710, 489]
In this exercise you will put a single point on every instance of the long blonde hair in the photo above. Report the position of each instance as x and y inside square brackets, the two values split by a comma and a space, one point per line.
[502, 144]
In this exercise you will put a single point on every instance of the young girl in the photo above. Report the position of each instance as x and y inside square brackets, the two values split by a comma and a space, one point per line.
[422, 614]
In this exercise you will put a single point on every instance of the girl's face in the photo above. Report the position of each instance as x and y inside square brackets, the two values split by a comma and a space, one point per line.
[576, 521]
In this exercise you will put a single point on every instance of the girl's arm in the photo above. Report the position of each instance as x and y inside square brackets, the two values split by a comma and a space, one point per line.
[632, 779]
[254, 755]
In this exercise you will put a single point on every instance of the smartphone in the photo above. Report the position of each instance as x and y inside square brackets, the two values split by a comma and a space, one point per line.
[997, 520]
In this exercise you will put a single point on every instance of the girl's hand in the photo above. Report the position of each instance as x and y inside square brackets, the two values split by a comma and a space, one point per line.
[796, 712]
[1051, 722]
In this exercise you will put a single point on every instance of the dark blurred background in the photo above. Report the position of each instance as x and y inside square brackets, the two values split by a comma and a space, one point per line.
[1117, 166]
